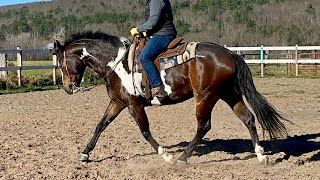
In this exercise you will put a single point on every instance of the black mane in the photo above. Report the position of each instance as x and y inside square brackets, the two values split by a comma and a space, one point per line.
[95, 36]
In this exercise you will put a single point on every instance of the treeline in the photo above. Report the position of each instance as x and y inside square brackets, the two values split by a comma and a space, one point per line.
[229, 22]
[45, 23]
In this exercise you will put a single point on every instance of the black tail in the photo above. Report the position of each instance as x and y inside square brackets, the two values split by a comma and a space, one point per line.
[266, 114]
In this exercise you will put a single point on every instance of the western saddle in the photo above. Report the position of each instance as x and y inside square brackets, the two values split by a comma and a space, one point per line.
[176, 47]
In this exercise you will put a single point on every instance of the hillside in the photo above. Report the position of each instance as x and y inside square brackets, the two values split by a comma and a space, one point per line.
[226, 22]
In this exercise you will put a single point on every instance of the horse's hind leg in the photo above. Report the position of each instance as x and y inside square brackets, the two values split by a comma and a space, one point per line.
[240, 109]
[204, 108]
[138, 113]
[112, 111]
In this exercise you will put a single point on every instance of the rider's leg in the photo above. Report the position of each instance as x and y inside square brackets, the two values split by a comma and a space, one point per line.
[151, 50]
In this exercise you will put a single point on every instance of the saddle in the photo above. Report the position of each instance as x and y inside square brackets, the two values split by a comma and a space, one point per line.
[177, 52]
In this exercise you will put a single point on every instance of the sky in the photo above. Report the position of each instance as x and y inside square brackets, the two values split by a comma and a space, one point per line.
[11, 2]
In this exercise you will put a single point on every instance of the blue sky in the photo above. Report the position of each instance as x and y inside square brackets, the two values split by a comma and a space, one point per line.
[11, 2]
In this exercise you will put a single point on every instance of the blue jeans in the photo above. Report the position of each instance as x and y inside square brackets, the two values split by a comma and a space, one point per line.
[154, 47]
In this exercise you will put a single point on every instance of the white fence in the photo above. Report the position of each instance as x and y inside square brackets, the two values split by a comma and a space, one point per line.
[279, 55]
[290, 55]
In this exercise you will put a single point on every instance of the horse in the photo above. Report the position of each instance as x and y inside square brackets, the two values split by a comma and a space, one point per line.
[215, 73]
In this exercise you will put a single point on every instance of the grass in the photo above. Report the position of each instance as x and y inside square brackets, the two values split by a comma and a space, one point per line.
[280, 71]
[40, 79]
[33, 80]
[29, 89]
[36, 72]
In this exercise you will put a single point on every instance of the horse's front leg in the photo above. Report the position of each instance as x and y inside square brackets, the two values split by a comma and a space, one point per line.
[140, 116]
[112, 111]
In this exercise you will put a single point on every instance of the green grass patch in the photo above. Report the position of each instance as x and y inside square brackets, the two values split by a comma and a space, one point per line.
[29, 89]
[35, 72]
[39, 81]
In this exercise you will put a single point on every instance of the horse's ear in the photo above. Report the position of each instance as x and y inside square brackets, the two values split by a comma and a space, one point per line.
[59, 47]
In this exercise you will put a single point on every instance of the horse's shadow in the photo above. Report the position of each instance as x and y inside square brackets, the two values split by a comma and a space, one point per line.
[291, 146]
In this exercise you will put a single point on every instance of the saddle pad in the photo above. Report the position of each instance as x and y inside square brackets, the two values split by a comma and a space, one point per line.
[168, 62]
[189, 53]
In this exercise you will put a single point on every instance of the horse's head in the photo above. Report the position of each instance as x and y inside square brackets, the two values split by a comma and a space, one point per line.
[72, 68]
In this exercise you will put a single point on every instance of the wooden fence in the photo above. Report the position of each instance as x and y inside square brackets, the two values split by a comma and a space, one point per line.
[296, 56]
[289, 55]
[20, 67]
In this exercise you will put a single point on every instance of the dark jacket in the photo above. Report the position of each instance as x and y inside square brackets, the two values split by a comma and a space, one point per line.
[159, 18]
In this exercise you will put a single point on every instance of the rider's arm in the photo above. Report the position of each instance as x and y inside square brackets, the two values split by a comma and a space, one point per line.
[156, 7]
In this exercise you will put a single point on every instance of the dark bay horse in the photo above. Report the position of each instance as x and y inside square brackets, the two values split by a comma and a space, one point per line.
[216, 73]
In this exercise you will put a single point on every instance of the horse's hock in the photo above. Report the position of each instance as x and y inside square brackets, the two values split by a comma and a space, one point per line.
[3, 63]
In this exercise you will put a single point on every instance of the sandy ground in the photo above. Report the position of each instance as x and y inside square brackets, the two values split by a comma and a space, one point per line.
[42, 134]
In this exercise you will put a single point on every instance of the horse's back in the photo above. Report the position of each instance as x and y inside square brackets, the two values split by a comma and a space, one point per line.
[219, 56]
[213, 67]
[214, 63]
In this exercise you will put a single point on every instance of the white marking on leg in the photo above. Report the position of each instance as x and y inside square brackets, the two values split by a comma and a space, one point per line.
[167, 157]
[259, 152]
[83, 157]
[167, 87]
[155, 101]
[126, 78]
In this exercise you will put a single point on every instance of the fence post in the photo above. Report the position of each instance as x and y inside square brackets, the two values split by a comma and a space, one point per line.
[3, 63]
[54, 69]
[19, 64]
[296, 60]
[261, 61]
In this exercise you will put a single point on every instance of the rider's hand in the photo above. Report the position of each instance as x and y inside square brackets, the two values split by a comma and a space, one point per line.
[134, 31]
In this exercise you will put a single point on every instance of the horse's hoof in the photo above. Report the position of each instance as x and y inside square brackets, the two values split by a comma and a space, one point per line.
[182, 160]
[84, 157]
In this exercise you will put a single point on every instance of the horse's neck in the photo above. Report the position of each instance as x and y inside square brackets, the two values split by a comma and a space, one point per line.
[104, 66]
[98, 66]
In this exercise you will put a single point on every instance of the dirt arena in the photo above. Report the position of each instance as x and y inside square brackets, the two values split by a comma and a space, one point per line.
[42, 134]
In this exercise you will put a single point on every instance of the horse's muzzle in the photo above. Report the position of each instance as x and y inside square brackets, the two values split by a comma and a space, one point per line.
[68, 89]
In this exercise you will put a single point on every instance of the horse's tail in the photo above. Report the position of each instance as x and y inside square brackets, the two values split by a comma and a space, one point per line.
[267, 115]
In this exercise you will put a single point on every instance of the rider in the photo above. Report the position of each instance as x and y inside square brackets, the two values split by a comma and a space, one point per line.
[159, 27]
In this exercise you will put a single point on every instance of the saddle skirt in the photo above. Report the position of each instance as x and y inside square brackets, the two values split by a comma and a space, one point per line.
[177, 52]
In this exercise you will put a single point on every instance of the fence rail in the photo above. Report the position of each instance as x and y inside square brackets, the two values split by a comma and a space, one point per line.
[292, 55]
[19, 67]
[262, 55]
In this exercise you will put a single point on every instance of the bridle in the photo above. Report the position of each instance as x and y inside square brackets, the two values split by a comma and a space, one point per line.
[107, 75]
[75, 88]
